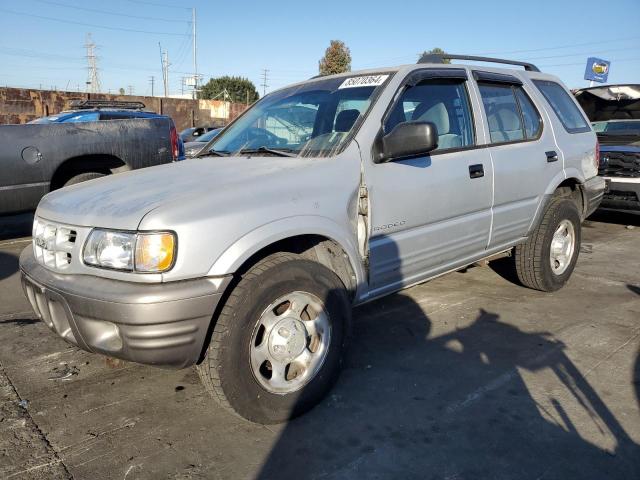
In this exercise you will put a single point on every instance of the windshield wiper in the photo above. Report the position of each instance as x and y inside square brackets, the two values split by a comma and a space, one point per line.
[218, 153]
[279, 152]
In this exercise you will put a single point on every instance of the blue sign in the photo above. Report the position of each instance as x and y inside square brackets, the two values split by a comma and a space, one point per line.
[597, 70]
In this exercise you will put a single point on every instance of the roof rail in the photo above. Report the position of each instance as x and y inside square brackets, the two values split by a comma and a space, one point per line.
[90, 104]
[441, 57]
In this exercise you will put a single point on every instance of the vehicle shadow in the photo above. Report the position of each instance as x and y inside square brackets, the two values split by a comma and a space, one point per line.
[14, 226]
[8, 265]
[412, 404]
[618, 218]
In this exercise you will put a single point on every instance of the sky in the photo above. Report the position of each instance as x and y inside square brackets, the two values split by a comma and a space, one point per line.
[42, 41]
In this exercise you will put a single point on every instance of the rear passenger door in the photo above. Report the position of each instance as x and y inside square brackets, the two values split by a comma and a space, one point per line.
[431, 212]
[523, 152]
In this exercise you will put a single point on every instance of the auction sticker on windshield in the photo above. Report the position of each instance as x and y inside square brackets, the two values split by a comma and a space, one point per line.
[364, 81]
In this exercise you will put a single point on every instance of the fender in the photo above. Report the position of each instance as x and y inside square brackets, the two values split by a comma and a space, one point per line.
[254, 241]
[548, 194]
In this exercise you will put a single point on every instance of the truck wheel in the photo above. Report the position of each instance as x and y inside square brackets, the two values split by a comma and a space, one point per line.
[83, 177]
[276, 348]
[547, 259]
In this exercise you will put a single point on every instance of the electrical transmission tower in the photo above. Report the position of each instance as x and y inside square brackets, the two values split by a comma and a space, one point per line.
[93, 79]
[264, 85]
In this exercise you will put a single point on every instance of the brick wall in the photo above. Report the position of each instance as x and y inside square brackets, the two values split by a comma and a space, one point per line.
[21, 105]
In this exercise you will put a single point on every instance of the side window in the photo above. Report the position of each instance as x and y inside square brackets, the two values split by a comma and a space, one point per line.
[444, 103]
[563, 105]
[530, 115]
[503, 115]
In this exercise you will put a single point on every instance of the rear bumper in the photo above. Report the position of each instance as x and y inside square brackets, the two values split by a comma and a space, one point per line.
[622, 194]
[157, 324]
[593, 191]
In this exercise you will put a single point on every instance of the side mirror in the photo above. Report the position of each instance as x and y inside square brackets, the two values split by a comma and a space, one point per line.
[409, 139]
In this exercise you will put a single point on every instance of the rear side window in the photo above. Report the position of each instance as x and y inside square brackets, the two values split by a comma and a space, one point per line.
[567, 111]
[442, 102]
[530, 116]
[511, 115]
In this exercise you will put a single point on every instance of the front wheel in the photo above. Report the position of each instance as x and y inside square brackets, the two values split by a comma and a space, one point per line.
[276, 348]
[547, 259]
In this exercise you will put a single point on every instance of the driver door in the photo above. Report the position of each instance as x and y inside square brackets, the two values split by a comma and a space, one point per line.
[432, 212]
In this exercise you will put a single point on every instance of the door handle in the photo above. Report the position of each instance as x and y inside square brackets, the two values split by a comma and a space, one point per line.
[551, 156]
[476, 171]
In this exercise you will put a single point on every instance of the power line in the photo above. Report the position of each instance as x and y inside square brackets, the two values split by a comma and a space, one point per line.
[164, 5]
[559, 47]
[106, 12]
[42, 17]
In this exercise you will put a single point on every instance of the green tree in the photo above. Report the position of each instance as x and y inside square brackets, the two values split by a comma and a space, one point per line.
[121, 91]
[434, 51]
[337, 59]
[233, 89]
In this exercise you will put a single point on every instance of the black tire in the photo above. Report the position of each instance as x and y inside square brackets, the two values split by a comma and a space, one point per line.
[226, 370]
[532, 258]
[83, 177]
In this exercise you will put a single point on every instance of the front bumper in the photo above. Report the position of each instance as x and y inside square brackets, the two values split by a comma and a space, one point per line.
[158, 324]
[593, 192]
[622, 193]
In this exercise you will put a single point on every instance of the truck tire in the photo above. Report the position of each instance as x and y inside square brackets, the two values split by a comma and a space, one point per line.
[547, 259]
[83, 177]
[276, 347]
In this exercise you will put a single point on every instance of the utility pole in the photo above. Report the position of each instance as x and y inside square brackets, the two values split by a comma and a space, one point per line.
[130, 89]
[164, 59]
[195, 53]
[93, 80]
[152, 80]
[264, 85]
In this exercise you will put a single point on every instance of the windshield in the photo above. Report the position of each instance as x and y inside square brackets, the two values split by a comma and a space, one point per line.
[312, 119]
[630, 127]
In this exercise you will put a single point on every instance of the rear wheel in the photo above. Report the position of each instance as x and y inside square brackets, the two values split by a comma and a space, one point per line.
[83, 177]
[547, 259]
[277, 345]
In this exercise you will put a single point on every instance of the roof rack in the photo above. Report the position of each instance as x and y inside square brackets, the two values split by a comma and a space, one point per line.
[441, 57]
[90, 104]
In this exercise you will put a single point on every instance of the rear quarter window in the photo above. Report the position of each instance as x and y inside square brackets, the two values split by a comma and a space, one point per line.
[563, 105]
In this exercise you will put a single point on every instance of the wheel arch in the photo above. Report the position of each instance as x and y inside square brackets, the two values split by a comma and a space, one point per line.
[317, 238]
[102, 163]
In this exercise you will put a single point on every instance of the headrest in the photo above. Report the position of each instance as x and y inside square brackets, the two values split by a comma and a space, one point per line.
[436, 114]
[346, 119]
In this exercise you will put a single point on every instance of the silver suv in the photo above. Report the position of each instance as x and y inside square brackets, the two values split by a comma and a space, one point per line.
[323, 195]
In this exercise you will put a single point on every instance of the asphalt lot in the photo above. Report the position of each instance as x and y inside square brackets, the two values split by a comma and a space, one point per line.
[469, 376]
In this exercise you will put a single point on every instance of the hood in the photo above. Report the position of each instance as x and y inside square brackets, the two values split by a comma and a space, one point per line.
[610, 102]
[121, 201]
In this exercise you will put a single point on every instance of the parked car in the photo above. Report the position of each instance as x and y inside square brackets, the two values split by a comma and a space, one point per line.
[98, 110]
[615, 113]
[39, 158]
[191, 149]
[247, 262]
[191, 134]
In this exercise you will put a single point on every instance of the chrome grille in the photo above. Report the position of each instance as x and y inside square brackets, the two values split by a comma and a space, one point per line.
[53, 244]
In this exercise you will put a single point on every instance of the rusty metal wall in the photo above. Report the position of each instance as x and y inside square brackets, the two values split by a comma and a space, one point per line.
[21, 105]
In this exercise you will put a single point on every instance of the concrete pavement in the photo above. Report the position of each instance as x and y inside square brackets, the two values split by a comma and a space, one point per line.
[469, 376]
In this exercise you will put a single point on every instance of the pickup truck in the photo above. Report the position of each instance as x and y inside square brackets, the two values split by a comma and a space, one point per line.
[614, 111]
[41, 157]
[247, 262]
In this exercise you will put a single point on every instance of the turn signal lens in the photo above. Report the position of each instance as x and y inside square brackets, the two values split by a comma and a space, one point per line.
[155, 252]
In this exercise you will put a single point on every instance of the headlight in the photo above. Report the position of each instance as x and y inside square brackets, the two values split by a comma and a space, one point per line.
[140, 252]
